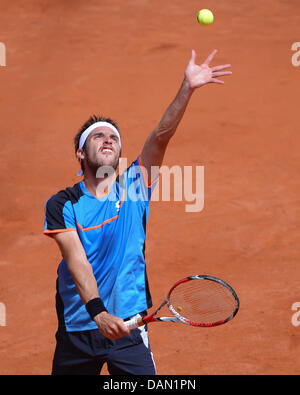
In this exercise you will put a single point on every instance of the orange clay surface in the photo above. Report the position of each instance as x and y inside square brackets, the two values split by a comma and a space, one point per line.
[66, 60]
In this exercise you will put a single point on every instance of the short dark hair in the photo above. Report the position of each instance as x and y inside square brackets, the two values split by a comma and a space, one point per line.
[93, 119]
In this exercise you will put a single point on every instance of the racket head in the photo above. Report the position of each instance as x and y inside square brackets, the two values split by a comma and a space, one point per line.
[203, 301]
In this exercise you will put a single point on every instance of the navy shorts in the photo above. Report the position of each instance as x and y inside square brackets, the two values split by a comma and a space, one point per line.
[85, 352]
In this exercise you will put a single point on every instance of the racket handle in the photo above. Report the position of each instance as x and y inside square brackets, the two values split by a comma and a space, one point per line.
[135, 322]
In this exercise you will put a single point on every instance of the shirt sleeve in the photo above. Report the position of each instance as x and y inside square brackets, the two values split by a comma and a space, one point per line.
[138, 188]
[59, 215]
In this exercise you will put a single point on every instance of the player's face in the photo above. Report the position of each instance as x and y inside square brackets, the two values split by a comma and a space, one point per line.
[103, 148]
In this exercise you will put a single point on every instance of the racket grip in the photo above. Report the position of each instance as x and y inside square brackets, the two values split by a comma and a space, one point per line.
[135, 322]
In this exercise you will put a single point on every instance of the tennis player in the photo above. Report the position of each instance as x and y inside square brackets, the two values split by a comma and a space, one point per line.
[99, 225]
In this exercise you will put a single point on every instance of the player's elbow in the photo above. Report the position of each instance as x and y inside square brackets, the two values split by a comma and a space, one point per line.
[164, 133]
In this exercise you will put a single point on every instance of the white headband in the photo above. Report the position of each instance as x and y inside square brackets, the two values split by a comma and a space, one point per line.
[94, 126]
[89, 130]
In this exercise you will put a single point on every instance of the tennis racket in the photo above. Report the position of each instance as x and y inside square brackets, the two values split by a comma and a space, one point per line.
[202, 300]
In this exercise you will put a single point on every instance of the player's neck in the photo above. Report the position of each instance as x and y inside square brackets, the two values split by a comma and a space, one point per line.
[99, 187]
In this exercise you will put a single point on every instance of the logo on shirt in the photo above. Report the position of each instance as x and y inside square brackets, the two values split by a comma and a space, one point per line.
[118, 205]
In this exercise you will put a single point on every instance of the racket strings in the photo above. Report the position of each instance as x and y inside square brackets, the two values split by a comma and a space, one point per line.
[203, 301]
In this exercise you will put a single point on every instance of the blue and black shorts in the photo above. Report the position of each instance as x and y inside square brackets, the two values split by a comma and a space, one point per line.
[85, 353]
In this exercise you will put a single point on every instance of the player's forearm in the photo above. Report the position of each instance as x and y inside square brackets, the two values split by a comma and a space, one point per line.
[174, 113]
[110, 326]
[84, 279]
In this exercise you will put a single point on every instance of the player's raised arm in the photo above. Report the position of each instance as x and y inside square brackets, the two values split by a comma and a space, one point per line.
[195, 76]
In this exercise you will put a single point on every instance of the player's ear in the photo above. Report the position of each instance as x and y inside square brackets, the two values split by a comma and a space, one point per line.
[80, 154]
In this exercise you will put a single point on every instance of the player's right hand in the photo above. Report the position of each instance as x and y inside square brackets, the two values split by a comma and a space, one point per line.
[111, 326]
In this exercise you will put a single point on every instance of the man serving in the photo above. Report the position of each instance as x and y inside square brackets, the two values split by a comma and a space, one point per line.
[99, 225]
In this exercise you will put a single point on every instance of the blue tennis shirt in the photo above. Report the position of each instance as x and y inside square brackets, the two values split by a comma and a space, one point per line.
[112, 230]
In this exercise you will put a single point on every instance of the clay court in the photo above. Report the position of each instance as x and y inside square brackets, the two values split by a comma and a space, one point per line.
[67, 60]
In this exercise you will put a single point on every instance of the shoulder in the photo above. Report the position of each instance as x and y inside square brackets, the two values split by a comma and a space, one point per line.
[133, 169]
[71, 194]
[59, 211]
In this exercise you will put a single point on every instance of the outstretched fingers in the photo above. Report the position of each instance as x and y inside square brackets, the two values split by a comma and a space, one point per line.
[216, 81]
[204, 72]
[219, 74]
[222, 67]
[210, 57]
[193, 57]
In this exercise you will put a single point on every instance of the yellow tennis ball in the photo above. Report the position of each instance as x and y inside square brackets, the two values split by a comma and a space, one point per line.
[205, 17]
[179, 308]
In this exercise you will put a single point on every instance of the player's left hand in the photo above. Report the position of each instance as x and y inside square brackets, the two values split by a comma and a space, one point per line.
[197, 76]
